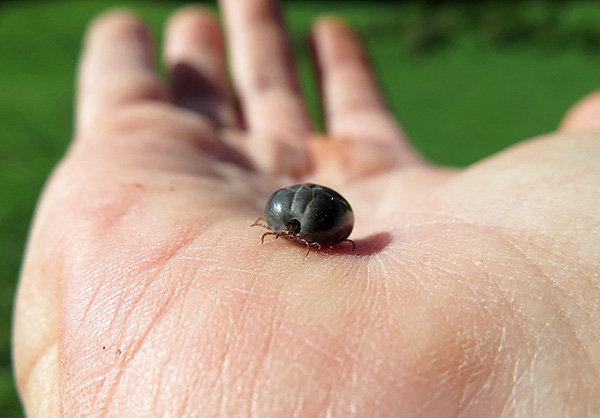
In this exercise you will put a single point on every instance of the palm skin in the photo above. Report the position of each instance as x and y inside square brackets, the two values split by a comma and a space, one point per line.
[144, 291]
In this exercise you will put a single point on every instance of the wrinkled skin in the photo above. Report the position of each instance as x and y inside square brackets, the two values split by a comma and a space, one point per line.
[145, 293]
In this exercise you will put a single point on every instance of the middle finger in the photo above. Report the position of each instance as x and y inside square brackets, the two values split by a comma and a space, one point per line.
[263, 69]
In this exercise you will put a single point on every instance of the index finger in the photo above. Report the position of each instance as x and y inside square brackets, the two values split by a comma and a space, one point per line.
[117, 67]
[353, 104]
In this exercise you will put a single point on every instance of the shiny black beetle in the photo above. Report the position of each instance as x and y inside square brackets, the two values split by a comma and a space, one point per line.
[309, 214]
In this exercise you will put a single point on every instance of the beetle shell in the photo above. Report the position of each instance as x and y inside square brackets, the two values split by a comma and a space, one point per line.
[316, 214]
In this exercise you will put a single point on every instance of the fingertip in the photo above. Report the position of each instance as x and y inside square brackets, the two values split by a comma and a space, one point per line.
[336, 28]
[584, 115]
[335, 41]
[118, 23]
[330, 21]
[192, 29]
[192, 14]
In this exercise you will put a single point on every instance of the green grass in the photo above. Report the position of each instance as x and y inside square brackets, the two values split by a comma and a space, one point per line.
[465, 80]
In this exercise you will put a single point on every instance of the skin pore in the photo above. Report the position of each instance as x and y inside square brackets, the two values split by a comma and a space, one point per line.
[144, 292]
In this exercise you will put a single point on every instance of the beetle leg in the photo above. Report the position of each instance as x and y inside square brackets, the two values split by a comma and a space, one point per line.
[260, 222]
[328, 250]
[262, 239]
[351, 242]
[316, 244]
[303, 241]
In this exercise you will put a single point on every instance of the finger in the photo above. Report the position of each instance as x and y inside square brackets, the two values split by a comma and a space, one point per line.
[352, 102]
[117, 67]
[195, 55]
[583, 116]
[263, 68]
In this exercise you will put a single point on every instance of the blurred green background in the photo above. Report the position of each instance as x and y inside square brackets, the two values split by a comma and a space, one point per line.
[466, 80]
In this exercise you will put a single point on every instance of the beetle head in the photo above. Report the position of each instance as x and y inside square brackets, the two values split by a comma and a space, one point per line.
[292, 227]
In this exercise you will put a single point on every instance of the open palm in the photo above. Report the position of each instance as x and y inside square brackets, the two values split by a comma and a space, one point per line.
[144, 291]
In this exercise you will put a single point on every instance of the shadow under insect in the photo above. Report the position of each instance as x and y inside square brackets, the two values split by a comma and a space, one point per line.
[291, 232]
[365, 246]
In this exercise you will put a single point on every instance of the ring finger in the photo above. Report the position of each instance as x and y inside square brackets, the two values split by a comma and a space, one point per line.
[195, 55]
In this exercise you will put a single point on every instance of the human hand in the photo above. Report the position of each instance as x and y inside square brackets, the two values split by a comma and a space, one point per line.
[145, 293]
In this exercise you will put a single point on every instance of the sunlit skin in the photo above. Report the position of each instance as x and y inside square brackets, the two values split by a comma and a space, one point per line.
[144, 292]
